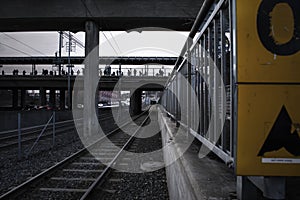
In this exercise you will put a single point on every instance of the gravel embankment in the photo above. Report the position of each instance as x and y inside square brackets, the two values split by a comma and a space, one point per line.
[147, 185]
[13, 171]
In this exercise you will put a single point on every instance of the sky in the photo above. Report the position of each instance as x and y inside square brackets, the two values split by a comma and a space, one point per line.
[146, 43]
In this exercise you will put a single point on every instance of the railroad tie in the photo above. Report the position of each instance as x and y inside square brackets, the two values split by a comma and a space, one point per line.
[109, 191]
[87, 163]
[63, 190]
[71, 179]
[83, 170]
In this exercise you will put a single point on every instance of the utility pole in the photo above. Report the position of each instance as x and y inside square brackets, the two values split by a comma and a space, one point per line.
[120, 69]
[59, 51]
[69, 72]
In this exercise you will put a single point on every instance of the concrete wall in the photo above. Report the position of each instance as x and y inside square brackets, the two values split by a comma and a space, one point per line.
[179, 185]
[9, 119]
[191, 176]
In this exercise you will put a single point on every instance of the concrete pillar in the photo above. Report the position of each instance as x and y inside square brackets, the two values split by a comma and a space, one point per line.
[135, 107]
[52, 98]
[23, 98]
[69, 98]
[15, 98]
[75, 99]
[62, 99]
[91, 77]
[42, 96]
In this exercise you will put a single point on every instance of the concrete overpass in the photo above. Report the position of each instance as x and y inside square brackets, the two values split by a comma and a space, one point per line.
[19, 84]
[112, 15]
[61, 82]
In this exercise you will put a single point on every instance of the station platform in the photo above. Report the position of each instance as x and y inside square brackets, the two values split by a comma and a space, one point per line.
[191, 177]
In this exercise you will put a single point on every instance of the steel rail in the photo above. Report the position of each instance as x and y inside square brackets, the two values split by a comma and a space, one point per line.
[22, 187]
[108, 168]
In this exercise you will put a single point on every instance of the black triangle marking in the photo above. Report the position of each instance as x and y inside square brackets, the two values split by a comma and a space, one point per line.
[280, 136]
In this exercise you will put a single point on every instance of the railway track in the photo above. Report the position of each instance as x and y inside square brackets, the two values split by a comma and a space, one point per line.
[9, 139]
[77, 176]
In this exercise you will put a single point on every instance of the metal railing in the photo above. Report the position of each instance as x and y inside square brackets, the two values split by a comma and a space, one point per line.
[207, 65]
[125, 71]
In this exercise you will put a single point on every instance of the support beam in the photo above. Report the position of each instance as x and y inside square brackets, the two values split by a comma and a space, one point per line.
[52, 98]
[71, 98]
[135, 107]
[62, 99]
[15, 98]
[42, 96]
[91, 77]
[75, 98]
[23, 98]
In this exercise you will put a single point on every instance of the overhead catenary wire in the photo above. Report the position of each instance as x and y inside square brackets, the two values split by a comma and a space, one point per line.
[8, 46]
[28, 46]
[109, 43]
[115, 42]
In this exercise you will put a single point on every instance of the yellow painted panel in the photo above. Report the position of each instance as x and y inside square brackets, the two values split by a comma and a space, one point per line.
[268, 142]
[270, 53]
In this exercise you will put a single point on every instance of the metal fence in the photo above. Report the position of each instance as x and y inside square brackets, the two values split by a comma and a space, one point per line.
[207, 67]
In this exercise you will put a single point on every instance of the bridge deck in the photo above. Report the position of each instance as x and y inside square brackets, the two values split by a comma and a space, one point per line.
[32, 15]
[152, 83]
